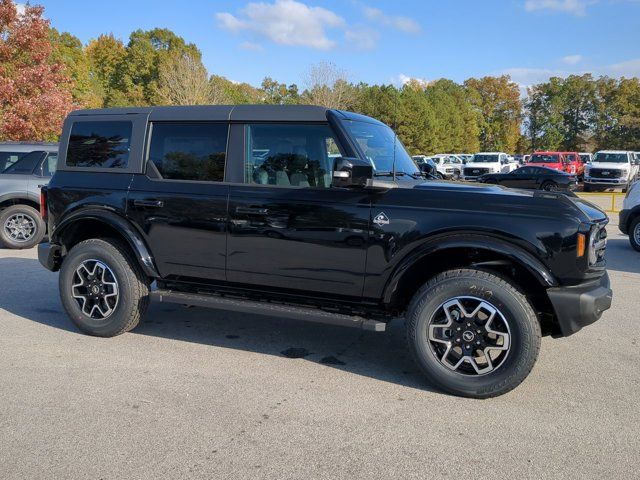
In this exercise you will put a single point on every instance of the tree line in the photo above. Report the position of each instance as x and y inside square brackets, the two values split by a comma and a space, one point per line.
[45, 73]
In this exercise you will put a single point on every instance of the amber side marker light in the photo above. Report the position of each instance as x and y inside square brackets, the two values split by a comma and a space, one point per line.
[582, 244]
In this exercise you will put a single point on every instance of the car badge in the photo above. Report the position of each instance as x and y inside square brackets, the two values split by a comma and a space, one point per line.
[381, 219]
[605, 173]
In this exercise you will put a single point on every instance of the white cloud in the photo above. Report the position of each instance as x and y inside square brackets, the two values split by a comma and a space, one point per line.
[572, 7]
[362, 38]
[572, 59]
[20, 7]
[399, 22]
[284, 22]
[403, 79]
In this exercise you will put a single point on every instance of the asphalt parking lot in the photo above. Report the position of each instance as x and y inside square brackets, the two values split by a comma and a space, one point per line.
[196, 393]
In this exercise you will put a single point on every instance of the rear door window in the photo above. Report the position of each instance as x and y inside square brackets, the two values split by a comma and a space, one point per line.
[27, 164]
[100, 144]
[189, 151]
[9, 158]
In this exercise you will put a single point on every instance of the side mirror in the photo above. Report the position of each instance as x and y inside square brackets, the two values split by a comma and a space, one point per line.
[352, 172]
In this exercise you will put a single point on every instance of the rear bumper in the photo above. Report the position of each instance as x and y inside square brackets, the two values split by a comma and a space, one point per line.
[580, 305]
[623, 219]
[49, 255]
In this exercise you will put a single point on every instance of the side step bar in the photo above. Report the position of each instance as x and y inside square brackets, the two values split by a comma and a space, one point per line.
[267, 308]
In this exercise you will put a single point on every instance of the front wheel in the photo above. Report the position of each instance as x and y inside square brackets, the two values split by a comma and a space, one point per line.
[103, 288]
[549, 186]
[472, 333]
[634, 234]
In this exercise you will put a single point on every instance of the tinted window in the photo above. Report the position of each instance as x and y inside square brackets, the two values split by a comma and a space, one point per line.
[611, 157]
[542, 158]
[49, 165]
[27, 164]
[9, 158]
[189, 151]
[523, 171]
[485, 158]
[99, 144]
[297, 155]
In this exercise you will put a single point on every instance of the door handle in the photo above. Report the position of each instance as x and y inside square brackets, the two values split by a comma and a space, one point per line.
[252, 210]
[148, 203]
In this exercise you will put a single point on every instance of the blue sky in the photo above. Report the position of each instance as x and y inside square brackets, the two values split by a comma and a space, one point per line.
[381, 41]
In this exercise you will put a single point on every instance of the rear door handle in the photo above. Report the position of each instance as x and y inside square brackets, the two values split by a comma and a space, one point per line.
[252, 210]
[148, 203]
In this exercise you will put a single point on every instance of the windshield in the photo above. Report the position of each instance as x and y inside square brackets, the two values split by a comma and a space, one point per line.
[380, 145]
[26, 164]
[611, 157]
[539, 158]
[484, 158]
[585, 158]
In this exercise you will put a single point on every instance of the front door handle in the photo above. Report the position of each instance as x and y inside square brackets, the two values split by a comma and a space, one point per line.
[148, 203]
[252, 210]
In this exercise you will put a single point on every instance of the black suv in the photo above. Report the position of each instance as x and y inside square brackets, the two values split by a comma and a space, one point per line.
[322, 215]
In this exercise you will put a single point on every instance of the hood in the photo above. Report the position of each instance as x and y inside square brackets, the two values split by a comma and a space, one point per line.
[499, 199]
[482, 164]
[608, 165]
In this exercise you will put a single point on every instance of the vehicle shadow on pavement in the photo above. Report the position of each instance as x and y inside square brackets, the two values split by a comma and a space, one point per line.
[621, 256]
[30, 292]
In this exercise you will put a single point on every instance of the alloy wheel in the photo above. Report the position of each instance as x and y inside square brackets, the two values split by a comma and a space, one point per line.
[20, 227]
[95, 288]
[469, 336]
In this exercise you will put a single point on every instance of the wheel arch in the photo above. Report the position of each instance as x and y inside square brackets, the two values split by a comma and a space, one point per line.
[479, 251]
[19, 199]
[97, 223]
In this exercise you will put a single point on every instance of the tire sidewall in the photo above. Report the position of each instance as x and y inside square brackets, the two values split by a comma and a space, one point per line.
[632, 238]
[122, 271]
[522, 353]
[32, 213]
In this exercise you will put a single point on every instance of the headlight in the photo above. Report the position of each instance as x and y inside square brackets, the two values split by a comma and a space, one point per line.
[597, 245]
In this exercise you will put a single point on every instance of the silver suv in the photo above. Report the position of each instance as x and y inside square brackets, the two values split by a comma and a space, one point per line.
[22, 178]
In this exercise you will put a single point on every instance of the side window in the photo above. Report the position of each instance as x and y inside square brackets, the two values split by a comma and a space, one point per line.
[9, 158]
[189, 151]
[49, 165]
[299, 155]
[99, 144]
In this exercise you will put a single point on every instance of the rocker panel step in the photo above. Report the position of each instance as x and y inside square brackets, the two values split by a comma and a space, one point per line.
[267, 308]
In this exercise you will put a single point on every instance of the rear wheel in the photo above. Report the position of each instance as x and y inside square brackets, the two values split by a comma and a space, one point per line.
[634, 234]
[21, 227]
[102, 288]
[472, 333]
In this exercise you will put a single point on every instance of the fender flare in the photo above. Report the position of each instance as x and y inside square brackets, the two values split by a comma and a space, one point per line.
[116, 221]
[20, 196]
[438, 243]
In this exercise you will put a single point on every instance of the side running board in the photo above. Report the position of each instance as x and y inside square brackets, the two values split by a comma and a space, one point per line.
[267, 308]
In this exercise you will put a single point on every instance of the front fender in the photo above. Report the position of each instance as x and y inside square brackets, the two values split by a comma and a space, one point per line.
[465, 240]
[117, 222]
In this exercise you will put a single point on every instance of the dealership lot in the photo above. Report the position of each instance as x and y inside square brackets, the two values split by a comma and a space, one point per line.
[196, 393]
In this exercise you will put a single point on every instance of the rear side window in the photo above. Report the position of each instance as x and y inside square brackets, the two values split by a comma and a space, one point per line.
[49, 165]
[9, 158]
[99, 144]
[27, 164]
[189, 151]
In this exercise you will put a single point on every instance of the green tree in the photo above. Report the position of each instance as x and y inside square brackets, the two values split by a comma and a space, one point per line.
[105, 54]
[277, 93]
[498, 107]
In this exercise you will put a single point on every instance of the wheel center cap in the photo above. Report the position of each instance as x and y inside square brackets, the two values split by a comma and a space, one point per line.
[468, 336]
[95, 289]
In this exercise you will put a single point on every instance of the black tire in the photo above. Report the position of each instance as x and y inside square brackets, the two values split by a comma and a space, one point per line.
[586, 188]
[440, 176]
[132, 287]
[523, 327]
[549, 186]
[634, 233]
[37, 230]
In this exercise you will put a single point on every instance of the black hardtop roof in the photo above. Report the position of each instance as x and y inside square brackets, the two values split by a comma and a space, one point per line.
[234, 113]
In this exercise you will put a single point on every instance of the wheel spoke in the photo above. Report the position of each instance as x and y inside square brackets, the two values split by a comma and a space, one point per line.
[95, 288]
[464, 331]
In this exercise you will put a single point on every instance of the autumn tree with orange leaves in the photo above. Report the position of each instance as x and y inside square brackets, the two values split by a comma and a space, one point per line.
[35, 92]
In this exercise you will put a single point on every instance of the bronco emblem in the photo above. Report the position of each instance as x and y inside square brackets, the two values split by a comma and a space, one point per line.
[381, 219]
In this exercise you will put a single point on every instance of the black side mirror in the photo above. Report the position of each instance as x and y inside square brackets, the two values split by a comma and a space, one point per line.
[352, 172]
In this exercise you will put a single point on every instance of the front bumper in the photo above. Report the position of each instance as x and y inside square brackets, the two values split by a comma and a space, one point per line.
[580, 305]
[622, 221]
[609, 182]
[49, 255]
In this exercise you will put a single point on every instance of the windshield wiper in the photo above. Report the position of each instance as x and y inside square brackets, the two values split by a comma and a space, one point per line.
[398, 174]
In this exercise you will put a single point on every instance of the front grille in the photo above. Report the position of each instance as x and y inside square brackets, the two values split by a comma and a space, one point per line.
[474, 172]
[605, 173]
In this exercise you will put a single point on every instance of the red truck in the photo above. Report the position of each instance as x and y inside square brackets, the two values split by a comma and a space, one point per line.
[569, 162]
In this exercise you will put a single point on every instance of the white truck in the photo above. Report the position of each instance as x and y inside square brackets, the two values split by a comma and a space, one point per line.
[487, 162]
[449, 165]
[611, 169]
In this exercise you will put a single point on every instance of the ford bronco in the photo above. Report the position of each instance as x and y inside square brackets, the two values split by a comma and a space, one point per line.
[318, 214]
